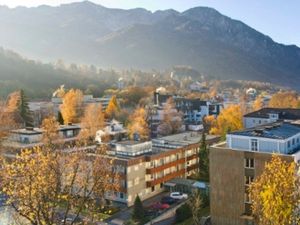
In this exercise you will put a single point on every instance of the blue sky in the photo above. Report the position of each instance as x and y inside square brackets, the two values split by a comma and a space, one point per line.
[280, 19]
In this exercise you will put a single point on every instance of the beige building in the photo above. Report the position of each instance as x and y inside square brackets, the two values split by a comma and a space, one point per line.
[234, 164]
[147, 166]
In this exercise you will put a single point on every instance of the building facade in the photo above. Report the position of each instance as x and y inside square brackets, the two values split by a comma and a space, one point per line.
[234, 164]
[270, 115]
[148, 166]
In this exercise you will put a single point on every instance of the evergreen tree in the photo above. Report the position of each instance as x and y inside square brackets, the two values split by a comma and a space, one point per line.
[138, 211]
[203, 159]
[25, 112]
[60, 118]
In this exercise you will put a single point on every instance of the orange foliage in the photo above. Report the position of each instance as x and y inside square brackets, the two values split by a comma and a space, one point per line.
[285, 99]
[230, 119]
[138, 124]
[72, 106]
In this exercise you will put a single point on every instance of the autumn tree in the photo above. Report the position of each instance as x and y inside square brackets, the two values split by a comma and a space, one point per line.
[112, 108]
[284, 99]
[24, 110]
[138, 124]
[230, 119]
[258, 103]
[91, 122]
[9, 114]
[275, 194]
[71, 108]
[172, 119]
[40, 183]
[50, 128]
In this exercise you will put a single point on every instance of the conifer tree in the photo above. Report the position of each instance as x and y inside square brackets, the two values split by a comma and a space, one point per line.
[138, 210]
[25, 112]
[203, 159]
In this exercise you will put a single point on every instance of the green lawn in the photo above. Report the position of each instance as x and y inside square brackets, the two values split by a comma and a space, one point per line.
[204, 212]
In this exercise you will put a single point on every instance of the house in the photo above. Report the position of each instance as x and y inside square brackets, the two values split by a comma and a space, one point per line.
[32, 136]
[114, 129]
[194, 110]
[270, 115]
[234, 164]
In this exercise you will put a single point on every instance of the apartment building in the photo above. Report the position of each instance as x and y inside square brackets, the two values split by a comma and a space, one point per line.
[147, 166]
[32, 136]
[234, 164]
[193, 109]
[270, 115]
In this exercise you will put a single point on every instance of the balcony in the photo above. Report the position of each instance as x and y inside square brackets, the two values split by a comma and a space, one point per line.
[192, 167]
[166, 178]
[165, 166]
[191, 157]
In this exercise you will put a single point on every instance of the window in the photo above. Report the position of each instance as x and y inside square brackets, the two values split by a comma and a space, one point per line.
[249, 163]
[153, 189]
[247, 198]
[121, 195]
[248, 180]
[289, 144]
[254, 145]
[293, 141]
[136, 181]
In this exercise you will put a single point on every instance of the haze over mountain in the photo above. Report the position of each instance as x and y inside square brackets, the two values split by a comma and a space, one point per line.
[201, 37]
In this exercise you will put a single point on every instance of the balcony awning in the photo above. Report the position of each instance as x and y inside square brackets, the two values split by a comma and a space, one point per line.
[168, 184]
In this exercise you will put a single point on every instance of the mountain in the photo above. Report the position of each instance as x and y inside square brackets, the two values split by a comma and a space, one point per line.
[200, 37]
[40, 80]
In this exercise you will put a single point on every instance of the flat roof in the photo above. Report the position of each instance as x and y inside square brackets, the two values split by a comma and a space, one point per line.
[183, 139]
[278, 130]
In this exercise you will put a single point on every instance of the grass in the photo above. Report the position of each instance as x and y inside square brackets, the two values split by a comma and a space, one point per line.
[204, 212]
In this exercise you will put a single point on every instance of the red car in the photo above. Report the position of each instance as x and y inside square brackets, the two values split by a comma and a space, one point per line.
[160, 206]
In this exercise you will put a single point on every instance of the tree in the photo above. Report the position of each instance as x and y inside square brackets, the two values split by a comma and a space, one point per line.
[50, 128]
[275, 194]
[203, 159]
[9, 114]
[91, 122]
[112, 108]
[258, 103]
[230, 119]
[40, 183]
[71, 107]
[196, 204]
[284, 99]
[25, 112]
[138, 124]
[138, 213]
[172, 119]
[60, 118]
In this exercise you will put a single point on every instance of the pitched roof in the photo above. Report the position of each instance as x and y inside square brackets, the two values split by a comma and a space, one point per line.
[283, 113]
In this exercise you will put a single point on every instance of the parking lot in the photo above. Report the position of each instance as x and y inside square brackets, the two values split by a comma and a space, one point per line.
[125, 214]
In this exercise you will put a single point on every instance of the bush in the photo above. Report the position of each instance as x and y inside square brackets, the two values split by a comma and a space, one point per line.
[183, 212]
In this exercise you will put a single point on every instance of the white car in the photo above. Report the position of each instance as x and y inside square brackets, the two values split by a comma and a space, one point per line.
[178, 195]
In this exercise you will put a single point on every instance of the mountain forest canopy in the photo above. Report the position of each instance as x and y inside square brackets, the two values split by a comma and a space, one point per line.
[203, 38]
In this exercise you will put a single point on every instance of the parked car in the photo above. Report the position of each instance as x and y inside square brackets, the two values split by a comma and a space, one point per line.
[71, 218]
[178, 195]
[160, 206]
[168, 200]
